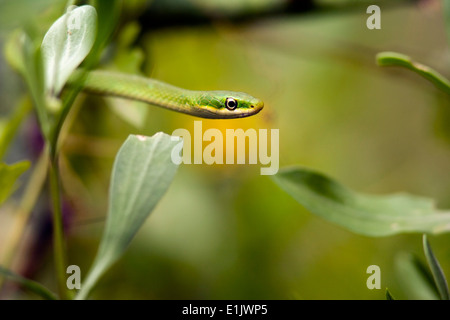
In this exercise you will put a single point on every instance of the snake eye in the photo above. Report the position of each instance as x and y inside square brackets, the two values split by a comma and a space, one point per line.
[231, 104]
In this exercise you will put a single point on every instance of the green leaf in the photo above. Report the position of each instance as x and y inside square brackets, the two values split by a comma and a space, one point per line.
[370, 215]
[13, 51]
[108, 12]
[436, 270]
[34, 77]
[142, 172]
[414, 278]
[66, 44]
[31, 285]
[389, 295]
[8, 176]
[9, 127]
[401, 60]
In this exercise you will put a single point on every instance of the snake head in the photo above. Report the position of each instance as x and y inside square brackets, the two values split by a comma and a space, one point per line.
[228, 104]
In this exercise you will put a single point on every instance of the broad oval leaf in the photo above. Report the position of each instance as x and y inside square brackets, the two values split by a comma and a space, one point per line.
[369, 215]
[66, 44]
[8, 176]
[142, 172]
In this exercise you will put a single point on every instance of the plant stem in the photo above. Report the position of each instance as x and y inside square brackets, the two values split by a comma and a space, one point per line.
[59, 246]
[397, 59]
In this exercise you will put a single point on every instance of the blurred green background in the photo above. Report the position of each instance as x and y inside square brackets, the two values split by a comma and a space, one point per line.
[225, 231]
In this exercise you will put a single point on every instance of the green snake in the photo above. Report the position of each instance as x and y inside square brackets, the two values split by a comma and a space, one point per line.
[204, 104]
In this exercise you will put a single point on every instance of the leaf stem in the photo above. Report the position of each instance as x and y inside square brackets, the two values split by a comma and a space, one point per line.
[401, 60]
[59, 246]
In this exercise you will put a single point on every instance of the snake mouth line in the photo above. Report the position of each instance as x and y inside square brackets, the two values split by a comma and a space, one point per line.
[210, 112]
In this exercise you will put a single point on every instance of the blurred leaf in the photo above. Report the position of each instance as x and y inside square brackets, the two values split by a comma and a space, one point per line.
[133, 112]
[66, 44]
[446, 5]
[369, 215]
[34, 77]
[15, 13]
[129, 59]
[436, 270]
[9, 127]
[23, 55]
[31, 285]
[108, 12]
[414, 278]
[389, 295]
[13, 51]
[400, 60]
[8, 176]
[142, 172]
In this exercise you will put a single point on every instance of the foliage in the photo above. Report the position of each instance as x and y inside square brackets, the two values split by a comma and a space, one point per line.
[364, 214]
[142, 171]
